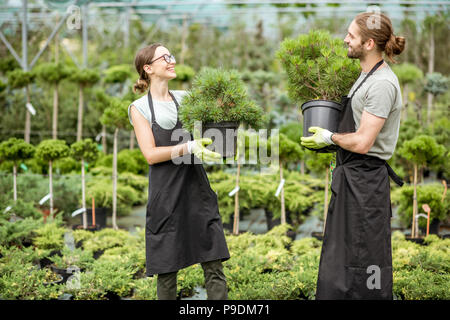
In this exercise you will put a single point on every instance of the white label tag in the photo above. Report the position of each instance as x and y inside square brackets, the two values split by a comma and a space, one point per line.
[7, 209]
[45, 198]
[31, 108]
[78, 211]
[232, 192]
[279, 188]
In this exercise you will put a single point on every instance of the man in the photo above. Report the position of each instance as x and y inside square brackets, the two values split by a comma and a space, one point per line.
[356, 259]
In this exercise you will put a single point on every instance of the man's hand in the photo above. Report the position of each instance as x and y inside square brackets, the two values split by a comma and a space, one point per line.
[320, 139]
[197, 147]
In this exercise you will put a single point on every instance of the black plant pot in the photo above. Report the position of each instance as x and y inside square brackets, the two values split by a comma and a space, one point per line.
[270, 221]
[59, 281]
[224, 137]
[416, 240]
[45, 261]
[100, 217]
[324, 114]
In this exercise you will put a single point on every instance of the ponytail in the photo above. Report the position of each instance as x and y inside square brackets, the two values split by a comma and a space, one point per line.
[141, 85]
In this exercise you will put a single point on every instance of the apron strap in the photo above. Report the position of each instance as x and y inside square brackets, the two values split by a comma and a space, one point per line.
[393, 175]
[150, 104]
[375, 67]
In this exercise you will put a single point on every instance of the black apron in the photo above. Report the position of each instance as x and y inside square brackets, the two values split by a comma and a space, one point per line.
[356, 249]
[183, 224]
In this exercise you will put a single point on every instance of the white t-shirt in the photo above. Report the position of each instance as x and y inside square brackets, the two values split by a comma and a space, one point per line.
[165, 111]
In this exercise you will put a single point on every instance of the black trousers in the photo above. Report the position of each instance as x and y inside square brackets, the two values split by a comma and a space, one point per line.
[215, 282]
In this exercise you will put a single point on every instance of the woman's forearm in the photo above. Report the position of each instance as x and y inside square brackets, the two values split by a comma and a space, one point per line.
[161, 154]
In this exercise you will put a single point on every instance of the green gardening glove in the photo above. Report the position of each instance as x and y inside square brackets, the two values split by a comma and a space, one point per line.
[320, 139]
[197, 147]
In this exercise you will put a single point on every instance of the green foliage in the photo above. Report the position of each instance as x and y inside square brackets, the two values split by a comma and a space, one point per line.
[52, 149]
[16, 150]
[436, 83]
[219, 95]
[52, 72]
[101, 190]
[430, 194]
[319, 162]
[289, 151]
[104, 239]
[8, 64]
[258, 191]
[407, 73]
[127, 161]
[184, 73]
[28, 283]
[317, 67]
[19, 79]
[70, 258]
[422, 150]
[293, 130]
[50, 236]
[18, 232]
[84, 76]
[116, 114]
[117, 74]
[85, 149]
[24, 209]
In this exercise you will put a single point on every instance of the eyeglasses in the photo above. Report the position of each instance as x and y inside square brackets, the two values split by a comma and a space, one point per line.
[167, 58]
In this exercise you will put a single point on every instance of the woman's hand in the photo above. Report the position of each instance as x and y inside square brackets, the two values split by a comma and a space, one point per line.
[198, 148]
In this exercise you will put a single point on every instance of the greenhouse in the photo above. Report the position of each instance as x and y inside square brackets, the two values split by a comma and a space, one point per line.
[224, 150]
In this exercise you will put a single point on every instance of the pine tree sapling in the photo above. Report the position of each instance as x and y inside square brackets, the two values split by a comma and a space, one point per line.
[15, 150]
[49, 151]
[84, 77]
[219, 99]
[18, 79]
[319, 73]
[421, 150]
[84, 150]
[116, 116]
[53, 73]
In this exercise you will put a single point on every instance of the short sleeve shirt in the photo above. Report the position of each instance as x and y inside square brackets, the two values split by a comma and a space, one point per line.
[165, 111]
[379, 95]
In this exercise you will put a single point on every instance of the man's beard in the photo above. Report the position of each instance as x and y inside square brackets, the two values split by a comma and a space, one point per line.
[356, 53]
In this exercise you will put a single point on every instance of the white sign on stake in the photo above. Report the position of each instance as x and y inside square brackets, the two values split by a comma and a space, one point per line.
[279, 188]
[45, 198]
[7, 209]
[31, 108]
[78, 211]
[232, 192]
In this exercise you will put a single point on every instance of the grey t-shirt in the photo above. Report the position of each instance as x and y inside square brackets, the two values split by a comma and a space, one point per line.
[379, 95]
[165, 111]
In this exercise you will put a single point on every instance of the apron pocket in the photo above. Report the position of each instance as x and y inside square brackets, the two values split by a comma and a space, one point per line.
[159, 219]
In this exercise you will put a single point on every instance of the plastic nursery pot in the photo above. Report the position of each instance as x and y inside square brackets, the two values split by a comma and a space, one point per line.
[64, 272]
[58, 281]
[100, 217]
[324, 114]
[224, 137]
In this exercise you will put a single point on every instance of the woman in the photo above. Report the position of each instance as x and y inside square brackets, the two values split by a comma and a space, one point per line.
[183, 225]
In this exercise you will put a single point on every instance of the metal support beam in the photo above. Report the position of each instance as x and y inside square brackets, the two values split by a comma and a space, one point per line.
[84, 21]
[11, 49]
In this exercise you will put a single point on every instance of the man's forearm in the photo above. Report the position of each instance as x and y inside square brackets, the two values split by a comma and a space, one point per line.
[353, 142]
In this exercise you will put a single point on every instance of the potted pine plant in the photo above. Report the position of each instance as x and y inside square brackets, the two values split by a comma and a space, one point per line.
[219, 100]
[319, 73]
